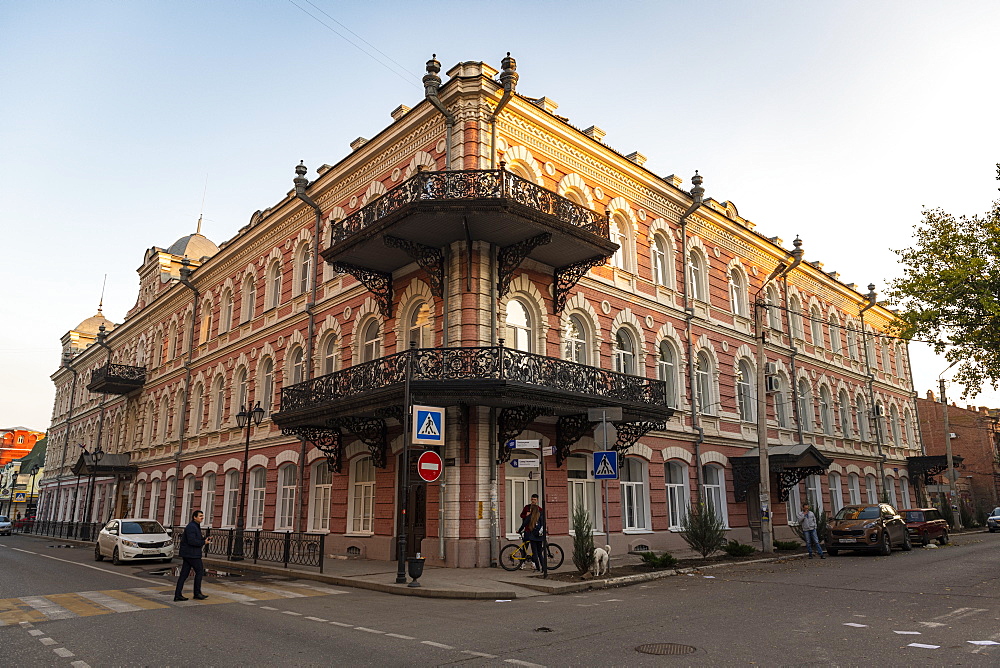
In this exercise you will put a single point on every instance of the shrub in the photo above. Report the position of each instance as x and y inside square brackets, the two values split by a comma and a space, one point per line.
[735, 548]
[965, 512]
[982, 513]
[786, 545]
[947, 513]
[583, 541]
[665, 560]
[703, 531]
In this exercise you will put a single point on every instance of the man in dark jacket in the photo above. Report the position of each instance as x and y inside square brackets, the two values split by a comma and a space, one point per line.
[191, 543]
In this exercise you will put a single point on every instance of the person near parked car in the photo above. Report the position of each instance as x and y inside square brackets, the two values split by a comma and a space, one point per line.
[807, 522]
[192, 541]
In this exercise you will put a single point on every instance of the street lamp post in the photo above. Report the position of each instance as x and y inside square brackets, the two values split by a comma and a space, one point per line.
[245, 419]
[96, 456]
[34, 472]
[952, 473]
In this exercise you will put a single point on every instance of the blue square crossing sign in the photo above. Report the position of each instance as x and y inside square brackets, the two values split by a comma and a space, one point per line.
[606, 465]
[428, 425]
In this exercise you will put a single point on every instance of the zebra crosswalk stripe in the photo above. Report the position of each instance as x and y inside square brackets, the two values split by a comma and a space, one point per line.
[48, 608]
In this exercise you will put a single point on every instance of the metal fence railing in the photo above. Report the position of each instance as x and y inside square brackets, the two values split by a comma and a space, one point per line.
[68, 530]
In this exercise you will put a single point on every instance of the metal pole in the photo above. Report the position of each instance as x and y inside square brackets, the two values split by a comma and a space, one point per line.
[404, 492]
[952, 474]
[237, 554]
[766, 529]
[604, 483]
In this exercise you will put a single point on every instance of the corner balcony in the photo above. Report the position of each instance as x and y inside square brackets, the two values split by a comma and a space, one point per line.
[117, 379]
[488, 376]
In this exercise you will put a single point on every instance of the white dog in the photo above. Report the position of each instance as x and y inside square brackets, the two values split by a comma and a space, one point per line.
[602, 555]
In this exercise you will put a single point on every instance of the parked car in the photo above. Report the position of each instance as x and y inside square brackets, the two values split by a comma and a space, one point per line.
[5, 526]
[925, 525]
[993, 521]
[871, 527]
[132, 539]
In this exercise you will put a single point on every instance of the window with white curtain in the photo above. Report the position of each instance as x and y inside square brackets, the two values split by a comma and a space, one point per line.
[678, 495]
[738, 293]
[635, 494]
[154, 499]
[715, 491]
[704, 394]
[187, 499]
[697, 276]
[362, 498]
[518, 326]
[835, 342]
[231, 499]
[661, 255]
[255, 500]
[795, 317]
[576, 340]
[371, 341]
[287, 475]
[320, 495]
[871, 490]
[816, 326]
[418, 327]
[845, 415]
[814, 493]
[666, 370]
[583, 490]
[624, 352]
[208, 499]
[826, 410]
[266, 385]
[836, 492]
[853, 489]
[329, 354]
[804, 397]
[746, 392]
[793, 505]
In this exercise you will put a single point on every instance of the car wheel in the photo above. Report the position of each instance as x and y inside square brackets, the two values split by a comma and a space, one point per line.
[943, 540]
[115, 559]
[97, 553]
[925, 540]
[885, 549]
[833, 552]
[992, 530]
[907, 545]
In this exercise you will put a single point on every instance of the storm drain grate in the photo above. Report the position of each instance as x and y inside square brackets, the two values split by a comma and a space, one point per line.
[666, 648]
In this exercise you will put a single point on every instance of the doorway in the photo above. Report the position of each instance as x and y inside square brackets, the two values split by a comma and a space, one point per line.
[416, 506]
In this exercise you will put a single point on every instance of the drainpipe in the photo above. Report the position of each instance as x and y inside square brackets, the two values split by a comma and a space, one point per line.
[185, 280]
[696, 199]
[432, 83]
[869, 302]
[301, 183]
[68, 364]
[508, 78]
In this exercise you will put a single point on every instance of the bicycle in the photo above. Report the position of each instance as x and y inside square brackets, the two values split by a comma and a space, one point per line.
[513, 556]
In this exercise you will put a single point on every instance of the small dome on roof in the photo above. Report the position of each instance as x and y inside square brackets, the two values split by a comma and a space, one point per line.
[92, 324]
[193, 246]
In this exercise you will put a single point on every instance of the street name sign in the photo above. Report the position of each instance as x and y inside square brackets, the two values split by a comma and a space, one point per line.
[525, 444]
[428, 425]
[524, 463]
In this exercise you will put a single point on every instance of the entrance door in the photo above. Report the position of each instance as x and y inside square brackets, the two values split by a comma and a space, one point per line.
[416, 507]
[753, 510]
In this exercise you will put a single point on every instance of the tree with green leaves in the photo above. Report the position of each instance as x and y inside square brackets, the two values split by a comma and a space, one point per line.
[949, 294]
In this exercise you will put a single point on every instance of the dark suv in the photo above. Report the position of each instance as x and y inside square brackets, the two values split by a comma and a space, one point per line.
[872, 527]
[925, 525]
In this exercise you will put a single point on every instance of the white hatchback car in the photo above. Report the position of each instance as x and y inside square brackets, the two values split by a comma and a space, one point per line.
[131, 539]
[5, 525]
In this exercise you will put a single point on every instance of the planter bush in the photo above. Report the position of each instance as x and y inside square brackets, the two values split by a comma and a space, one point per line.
[583, 541]
[665, 560]
[703, 531]
[787, 545]
[735, 548]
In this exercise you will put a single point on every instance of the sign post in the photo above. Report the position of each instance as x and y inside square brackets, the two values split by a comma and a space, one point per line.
[602, 415]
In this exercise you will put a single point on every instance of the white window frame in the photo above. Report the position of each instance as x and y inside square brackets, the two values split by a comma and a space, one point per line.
[219, 402]
[715, 492]
[361, 498]
[231, 498]
[636, 516]
[814, 493]
[248, 299]
[816, 326]
[746, 391]
[371, 341]
[320, 495]
[256, 498]
[169, 500]
[705, 383]
[666, 370]
[854, 488]
[803, 395]
[678, 493]
[419, 326]
[871, 489]
[624, 353]
[826, 410]
[660, 256]
[208, 483]
[697, 276]
[267, 385]
[273, 286]
[844, 409]
[140, 499]
[836, 492]
[329, 361]
[836, 345]
[584, 487]
[795, 318]
[576, 343]
[519, 335]
[793, 505]
[904, 488]
[187, 499]
[284, 518]
[738, 293]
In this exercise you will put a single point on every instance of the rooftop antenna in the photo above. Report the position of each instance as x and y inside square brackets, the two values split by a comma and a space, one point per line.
[100, 305]
[203, 194]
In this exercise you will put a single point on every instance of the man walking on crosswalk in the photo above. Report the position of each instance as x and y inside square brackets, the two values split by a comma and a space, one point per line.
[191, 544]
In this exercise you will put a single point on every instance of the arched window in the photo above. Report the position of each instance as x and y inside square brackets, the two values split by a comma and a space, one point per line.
[715, 491]
[660, 258]
[140, 499]
[187, 498]
[781, 398]
[883, 433]
[208, 499]
[172, 341]
[738, 293]
[154, 499]
[666, 370]
[853, 489]
[226, 312]
[793, 504]
[864, 423]
[871, 489]
[816, 325]
[746, 392]
[704, 395]
[897, 437]
[231, 499]
[218, 402]
[266, 385]
[362, 498]
[303, 268]
[634, 487]
[814, 493]
[163, 419]
[826, 410]
[518, 326]
[297, 366]
[870, 350]
[773, 308]
[886, 364]
[206, 322]
[900, 368]
[805, 405]
[371, 341]
[248, 299]
[678, 497]
[835, 343]
[836, 493]
[418, 328]
[852, 343]
[845, 415]
[619, 234]
[697, 276]
[319, 496]
[168, 502]
[795, 317]
[242, 391]
[576, 340]
[624, 353]
[904, 487]
[911, 438]
[329, 354]
[890, 489]
[255, 498]
[273, 294]
[287, 475]
[582, 490]
[197, 409]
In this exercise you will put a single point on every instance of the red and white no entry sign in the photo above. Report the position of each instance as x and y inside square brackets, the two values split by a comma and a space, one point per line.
[429, 466]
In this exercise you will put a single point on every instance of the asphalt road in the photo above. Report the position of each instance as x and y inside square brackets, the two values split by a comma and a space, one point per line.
[790, 613]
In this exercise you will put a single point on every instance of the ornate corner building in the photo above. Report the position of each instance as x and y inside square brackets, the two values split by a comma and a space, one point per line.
[483, 255]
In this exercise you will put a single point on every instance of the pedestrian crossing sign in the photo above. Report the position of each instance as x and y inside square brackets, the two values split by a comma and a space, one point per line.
[428, 425]
[606, 465]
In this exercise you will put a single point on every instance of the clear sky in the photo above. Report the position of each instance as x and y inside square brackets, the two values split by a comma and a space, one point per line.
[834, 121]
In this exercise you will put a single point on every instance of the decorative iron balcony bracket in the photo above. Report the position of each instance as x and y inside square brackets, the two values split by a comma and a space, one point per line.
[511, 422]
[509, 258]
[328, 440]
[630, 432]
[377, 282]
[371, 432]
[429, 258]
[569, 430]
[567, 277]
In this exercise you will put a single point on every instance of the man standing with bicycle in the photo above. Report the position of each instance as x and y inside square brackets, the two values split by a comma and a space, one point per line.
[533, 530]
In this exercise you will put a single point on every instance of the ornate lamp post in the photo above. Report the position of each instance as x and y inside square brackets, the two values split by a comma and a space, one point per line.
[34, 472]
[95, 457]
[245, 419]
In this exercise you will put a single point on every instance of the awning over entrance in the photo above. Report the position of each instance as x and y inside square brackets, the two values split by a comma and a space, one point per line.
[927, 466]
[116, 465]
[789, 465]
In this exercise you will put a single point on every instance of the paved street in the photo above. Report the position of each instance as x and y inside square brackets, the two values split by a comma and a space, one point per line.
[60, 608]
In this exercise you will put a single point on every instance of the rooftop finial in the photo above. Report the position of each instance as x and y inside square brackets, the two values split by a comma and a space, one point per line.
[431, 80]
[509, 76]
[300, 179]
[697, 191]
[198, 231]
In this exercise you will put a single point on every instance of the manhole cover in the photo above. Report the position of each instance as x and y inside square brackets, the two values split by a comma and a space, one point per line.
[665, 648]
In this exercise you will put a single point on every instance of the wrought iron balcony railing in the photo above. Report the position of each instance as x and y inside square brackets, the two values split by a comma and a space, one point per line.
[117, 379]
[495, 363]
[471, 184]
